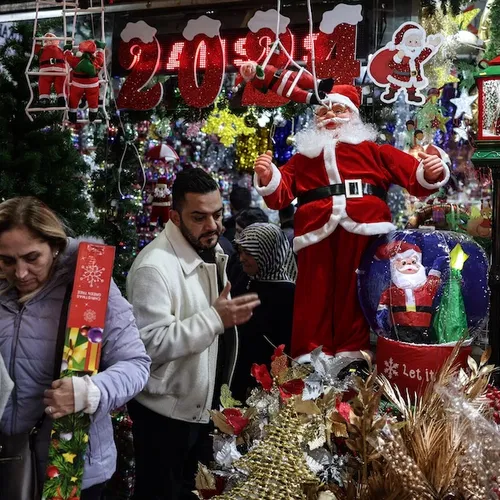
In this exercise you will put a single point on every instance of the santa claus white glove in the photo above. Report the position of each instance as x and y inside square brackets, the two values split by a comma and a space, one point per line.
[87, 395]
[435, 40]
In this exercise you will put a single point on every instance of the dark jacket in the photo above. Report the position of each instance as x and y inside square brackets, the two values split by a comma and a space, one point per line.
[273, 318]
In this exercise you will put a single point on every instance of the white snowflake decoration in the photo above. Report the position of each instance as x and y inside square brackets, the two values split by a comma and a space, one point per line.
[391, 368]
[89, 315]
[92, 273]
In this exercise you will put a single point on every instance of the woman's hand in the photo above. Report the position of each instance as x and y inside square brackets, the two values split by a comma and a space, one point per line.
[60, 400]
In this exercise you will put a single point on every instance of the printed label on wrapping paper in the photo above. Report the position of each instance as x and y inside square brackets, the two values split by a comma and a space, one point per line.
[87, 312]
[412, 366]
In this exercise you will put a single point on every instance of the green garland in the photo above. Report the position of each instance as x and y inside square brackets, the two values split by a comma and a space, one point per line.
[493, 48]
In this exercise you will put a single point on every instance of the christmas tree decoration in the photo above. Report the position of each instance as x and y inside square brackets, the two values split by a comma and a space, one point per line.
[450, 321]
[275, 468]
[391, 66]
[248, 147]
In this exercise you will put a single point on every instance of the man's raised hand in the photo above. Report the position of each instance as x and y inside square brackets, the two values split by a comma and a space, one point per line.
[234, 312]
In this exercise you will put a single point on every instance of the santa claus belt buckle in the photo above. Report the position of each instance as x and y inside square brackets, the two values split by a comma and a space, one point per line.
[52, 60]
[413, 73]
[353, 188]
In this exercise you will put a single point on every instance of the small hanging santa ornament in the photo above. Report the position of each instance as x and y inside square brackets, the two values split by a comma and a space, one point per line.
[84, 82]
[161, 203]
[405, 307]
[53, 69]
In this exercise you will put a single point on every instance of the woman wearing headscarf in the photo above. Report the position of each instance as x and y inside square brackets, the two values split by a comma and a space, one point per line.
[269, 263]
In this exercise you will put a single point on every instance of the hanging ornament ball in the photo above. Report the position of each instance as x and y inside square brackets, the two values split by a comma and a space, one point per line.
[95, 335]
[84, 330]
[290, 140]
[52, 471]
[426, 263]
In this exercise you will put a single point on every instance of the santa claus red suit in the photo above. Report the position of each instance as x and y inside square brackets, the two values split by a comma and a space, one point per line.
[297, 87]
[340, 178]
[53, 67]
[406, 306]
[84, 79]
[161, 203]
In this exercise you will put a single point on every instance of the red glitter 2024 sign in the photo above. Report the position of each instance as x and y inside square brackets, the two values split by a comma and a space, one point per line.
[204, 49]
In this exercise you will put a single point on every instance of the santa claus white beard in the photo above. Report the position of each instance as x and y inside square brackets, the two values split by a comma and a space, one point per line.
[411, 52]
[408, 281]
[312, 141]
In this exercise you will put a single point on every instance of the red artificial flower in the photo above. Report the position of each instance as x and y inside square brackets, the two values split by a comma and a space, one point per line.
[235, 419]
[262, 375]
[344, 410]
[279, 351]
[292, 387]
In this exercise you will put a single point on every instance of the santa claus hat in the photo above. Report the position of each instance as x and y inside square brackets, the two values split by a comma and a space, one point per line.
[405, 30]
[162, 152]
[398, 249]
[162, 181]
[348, 95]
[87, 46]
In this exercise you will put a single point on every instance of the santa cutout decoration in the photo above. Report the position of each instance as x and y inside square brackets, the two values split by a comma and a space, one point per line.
[161, 203]
[399, 66]
[53, 67]
[84, 82]
[405, 307]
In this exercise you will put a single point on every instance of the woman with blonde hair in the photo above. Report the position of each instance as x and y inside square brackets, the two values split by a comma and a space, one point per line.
[37, 269]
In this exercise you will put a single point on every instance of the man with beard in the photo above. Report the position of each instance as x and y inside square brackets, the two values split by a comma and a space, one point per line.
[340, 178]
[405, 308]
[180, 294]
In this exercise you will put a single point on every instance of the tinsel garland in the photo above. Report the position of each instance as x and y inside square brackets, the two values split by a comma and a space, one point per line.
[248, 147]
[226, 125]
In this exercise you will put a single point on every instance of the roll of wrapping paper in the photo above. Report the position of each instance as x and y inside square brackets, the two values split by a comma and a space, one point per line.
[450, 321]
[81, 356]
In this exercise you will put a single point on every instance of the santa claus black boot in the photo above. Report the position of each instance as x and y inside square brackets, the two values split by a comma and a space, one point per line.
[389, 95]
[61, 102]
[72, 116]
[326, 85]
[44, 102]
[92, 116]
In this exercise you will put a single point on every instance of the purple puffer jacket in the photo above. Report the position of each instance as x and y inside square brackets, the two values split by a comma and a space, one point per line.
[27, 344]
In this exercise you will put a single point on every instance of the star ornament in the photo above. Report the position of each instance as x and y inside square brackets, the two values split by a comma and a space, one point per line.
[463, 104]
[439, 122]
[461, 132]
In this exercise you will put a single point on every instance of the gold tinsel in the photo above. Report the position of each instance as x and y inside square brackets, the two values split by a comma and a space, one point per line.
[276, 467]
[248, 147]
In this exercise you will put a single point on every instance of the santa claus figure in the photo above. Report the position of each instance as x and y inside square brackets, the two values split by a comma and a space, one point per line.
[53, 67]
[340, 178]
[400, 64]
[161, 202]
[405, 308]
[84, 81]
[284, 82]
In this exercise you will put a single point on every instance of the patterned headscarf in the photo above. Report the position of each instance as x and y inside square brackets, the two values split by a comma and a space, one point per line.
[269, 246]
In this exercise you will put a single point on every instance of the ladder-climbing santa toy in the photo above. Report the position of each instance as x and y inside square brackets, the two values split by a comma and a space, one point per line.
[76, 73]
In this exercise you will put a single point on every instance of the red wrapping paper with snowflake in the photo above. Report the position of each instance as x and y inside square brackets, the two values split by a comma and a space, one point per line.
[422, 292]
[81, 356]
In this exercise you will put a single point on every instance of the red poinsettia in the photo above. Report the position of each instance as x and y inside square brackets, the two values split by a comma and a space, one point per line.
[262, 375]
[291, 388]
[278, 352]
[344, 410]
[235, 419]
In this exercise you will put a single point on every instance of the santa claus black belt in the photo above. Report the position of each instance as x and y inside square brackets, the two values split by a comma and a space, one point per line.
[405, 73]
[274, 79]
[351, 188]
[419, 309]
[52, 61]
